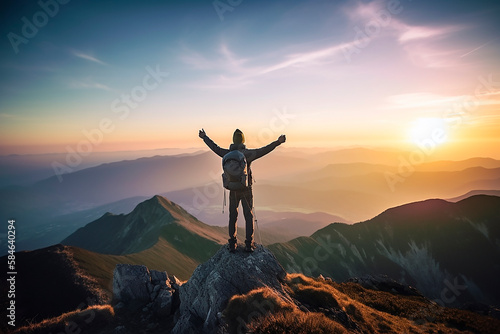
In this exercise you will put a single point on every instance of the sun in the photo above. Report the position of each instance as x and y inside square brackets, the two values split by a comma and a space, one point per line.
[426, 131]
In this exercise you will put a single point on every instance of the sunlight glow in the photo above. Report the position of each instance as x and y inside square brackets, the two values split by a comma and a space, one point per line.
[429, 130]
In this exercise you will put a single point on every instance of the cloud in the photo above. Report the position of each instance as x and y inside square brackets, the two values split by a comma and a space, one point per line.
[475, 49]
[363, 11]
[88, 57]
[237, 72]
[90, 84]
[311, 58]
[196, 60]
[425, 45]
[410, 33]
[420, 100]
[426, 102]
[12, 117]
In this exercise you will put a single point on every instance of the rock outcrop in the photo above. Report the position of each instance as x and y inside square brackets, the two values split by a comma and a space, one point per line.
[213, 283]
[136, 287]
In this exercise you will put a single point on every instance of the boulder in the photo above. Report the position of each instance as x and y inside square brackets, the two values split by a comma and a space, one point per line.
[163, 303]
[131, 283]
[160, 278]
[205, 295]
[135, 287]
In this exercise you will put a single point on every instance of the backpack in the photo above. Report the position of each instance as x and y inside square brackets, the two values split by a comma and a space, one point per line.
[235, 175]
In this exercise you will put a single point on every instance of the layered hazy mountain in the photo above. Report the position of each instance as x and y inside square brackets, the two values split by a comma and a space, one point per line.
[448, 251]
[433, 245]
[289, 185]
[143, 227]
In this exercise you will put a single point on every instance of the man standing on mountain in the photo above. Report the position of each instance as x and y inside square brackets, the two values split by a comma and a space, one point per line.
[244, 192]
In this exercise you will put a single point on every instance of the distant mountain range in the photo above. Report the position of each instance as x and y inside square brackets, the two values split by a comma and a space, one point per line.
[425, 244]
[448, 251]
[299, 181]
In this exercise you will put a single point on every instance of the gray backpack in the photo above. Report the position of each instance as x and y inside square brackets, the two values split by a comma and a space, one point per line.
[235, 175]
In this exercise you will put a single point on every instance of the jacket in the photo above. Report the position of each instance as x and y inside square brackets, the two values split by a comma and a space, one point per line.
[250, 154]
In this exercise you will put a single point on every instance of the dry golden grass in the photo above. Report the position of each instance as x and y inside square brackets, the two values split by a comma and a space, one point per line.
[420, 311]
[314, 295]
[264, 311]
[78, 321]
[296, 322]
[243, 309]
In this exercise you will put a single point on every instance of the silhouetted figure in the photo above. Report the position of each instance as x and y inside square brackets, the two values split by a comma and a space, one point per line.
[240, 191]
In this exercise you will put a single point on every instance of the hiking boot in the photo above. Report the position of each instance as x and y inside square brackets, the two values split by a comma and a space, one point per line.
[232, 245]
[249, 247]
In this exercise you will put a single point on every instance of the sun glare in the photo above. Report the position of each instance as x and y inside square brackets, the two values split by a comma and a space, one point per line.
[428, 130]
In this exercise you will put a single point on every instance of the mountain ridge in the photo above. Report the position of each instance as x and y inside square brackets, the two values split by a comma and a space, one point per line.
[424, 244]
[138, 230]
[193, 181]
[235, 293]
[404, 242]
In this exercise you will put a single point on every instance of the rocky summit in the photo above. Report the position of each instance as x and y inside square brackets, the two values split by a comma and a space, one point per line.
[213, 283]
[136, 287]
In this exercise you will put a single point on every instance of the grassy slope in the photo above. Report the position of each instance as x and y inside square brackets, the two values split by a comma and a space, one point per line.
[170, 254]
[322, 306]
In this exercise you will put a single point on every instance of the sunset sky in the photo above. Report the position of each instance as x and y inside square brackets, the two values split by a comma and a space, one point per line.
[149, 74]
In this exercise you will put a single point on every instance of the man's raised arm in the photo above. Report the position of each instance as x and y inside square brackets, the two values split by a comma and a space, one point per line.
[260, 152]
[213, 146]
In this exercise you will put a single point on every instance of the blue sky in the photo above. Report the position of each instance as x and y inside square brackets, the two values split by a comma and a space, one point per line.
[342, 72]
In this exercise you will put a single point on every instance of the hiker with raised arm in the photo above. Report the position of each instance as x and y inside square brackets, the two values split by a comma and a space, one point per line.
[237, 177]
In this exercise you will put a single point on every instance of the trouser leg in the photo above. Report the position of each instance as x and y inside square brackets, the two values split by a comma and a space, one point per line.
[247, 203]
[234, 202]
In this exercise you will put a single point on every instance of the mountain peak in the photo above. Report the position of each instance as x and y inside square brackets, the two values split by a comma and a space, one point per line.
[155, 201]
[226, 274]
[160, 205]
[130, 233]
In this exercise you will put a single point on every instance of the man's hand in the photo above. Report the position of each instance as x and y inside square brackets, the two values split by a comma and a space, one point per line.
[282, 139]
[202, 133]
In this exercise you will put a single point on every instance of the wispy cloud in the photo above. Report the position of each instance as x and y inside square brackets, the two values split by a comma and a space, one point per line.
[376, 13]
[12, 117]
[5, 115]
[420, 100]
[90, 84]
[237, 72]
[409, 33]
[358, 11]
[426, 102]
[88, 57]
[422, 43]
[475, 49]
[428, 46]
[310, 58]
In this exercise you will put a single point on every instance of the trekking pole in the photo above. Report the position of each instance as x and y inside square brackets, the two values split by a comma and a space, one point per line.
[256, 221]
[224, 200]
[256, 224]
